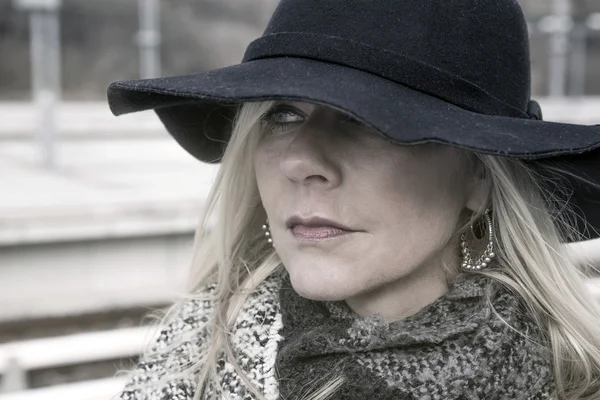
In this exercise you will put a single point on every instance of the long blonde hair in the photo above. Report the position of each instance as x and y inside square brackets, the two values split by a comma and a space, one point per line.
[530, 223]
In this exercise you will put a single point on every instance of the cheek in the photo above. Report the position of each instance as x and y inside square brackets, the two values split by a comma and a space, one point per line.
[428, 182]
[265, 174]
[422, 201]
[420, 209]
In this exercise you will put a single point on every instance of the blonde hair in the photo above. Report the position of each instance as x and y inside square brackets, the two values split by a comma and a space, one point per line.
[529, 221]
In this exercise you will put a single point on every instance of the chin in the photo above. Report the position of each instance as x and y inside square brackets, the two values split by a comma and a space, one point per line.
[320, 285]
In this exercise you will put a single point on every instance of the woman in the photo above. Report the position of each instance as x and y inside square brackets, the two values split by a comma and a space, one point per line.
[391, 214]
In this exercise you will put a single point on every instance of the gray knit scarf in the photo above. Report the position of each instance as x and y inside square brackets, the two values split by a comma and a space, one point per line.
[454, 348]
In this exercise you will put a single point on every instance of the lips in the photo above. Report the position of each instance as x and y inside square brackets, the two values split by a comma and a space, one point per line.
[316, 228]
[314, 222]
[317, 232]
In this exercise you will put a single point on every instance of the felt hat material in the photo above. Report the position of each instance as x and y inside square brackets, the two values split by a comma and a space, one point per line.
[455, 72]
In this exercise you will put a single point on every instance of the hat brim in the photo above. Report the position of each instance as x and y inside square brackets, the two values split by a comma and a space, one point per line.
[197, 110]
[402, 114]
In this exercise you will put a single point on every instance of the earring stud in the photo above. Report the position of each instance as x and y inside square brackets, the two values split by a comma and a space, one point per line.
[267, 232]
[484, 260]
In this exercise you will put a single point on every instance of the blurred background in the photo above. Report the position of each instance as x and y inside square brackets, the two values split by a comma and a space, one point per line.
[97, 213]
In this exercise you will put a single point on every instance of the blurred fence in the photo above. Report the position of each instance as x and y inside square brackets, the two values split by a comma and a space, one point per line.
[17, 358]
[100, 389]
[102, 41]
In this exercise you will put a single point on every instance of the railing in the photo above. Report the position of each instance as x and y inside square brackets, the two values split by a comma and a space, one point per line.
[101, 389]
[17, 358]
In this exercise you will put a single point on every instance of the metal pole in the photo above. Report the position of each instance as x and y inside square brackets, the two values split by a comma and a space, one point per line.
[44, 27]
[149, 38]
[54, 52]
[36, 49]
[15, 379]
[578, 62]
[45, 53]
[559, 42]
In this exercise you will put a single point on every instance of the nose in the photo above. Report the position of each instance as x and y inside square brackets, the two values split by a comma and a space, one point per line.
[310, 156]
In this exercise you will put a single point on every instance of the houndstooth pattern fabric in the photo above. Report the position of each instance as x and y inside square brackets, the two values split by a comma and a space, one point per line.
[254, 340]
[455, 348]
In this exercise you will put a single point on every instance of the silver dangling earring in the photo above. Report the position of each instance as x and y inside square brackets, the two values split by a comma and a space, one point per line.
[484, 260]
[265, 228]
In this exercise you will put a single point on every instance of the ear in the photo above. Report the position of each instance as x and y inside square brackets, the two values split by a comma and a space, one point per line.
[478, 188]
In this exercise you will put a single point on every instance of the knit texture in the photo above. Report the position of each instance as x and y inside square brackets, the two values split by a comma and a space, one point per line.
[454, 348]
[182, 341]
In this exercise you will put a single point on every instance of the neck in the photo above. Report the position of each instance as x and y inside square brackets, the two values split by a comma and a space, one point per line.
[405, 296]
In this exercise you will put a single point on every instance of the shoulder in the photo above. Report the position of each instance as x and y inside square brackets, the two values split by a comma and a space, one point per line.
[176, 344]
[170, 364]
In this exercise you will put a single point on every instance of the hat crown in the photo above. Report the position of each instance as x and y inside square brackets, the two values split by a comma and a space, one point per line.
[481, 43]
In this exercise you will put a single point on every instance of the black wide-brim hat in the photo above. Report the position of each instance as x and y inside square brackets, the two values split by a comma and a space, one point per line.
[455, 72]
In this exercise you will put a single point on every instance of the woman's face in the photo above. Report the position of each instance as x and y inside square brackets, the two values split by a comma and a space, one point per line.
[349, 212]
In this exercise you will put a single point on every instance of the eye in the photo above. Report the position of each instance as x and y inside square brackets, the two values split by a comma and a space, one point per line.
[348, 119]
[280, 118]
